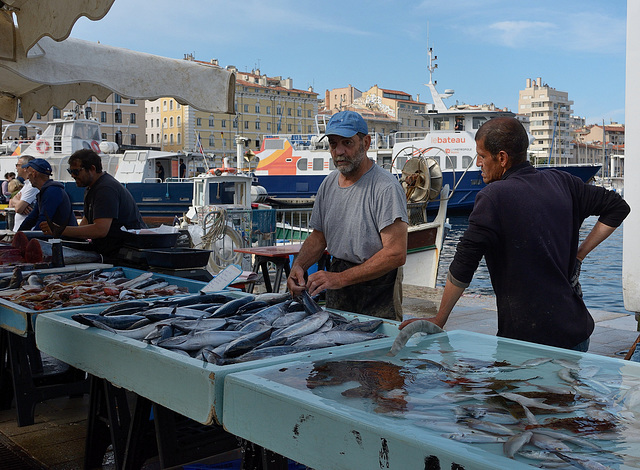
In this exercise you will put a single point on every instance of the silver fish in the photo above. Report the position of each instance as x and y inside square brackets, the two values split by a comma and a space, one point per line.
[566, 437]
[135, 281]
[289, 319]
[335, 337]
[199, 339]
[583, 464]
[418, 326]
[307, 326]
[475, 437]
[544, 442]
[487, 426]
[515, 443]
[530, 402]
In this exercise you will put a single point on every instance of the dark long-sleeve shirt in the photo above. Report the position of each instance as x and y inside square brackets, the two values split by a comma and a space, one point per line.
[52, 201]
[527, 227]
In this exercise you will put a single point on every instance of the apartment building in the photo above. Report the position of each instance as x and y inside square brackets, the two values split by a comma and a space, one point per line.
[121, 119]
[263, 106]
[549, 112]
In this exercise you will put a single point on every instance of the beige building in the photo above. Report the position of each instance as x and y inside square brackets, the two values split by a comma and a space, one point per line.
[121, 119]
[549, 112]
[264, 106]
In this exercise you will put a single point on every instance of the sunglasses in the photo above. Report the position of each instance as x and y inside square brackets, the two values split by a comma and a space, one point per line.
[74, 171]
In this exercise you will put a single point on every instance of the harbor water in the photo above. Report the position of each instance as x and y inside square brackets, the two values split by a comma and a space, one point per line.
[601, 275]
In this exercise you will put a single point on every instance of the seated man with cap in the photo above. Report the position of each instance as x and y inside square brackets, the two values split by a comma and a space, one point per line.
[360, 217]
[52, 201]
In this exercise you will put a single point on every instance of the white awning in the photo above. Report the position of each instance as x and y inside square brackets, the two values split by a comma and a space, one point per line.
[53, 18]
[54, 73]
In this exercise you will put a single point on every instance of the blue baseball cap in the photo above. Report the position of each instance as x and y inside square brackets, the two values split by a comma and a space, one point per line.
[346, 124]
[40, 165]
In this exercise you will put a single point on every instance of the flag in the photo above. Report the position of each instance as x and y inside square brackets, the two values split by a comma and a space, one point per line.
[199, 145]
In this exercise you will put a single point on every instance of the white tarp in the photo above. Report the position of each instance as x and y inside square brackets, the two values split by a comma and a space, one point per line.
[54, 73]
[53, 18]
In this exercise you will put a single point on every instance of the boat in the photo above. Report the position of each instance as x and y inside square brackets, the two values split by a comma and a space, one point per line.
[134, 166]
[291, 167]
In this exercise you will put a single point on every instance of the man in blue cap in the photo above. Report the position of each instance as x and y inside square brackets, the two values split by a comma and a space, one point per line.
[360, 218]
[52, 201]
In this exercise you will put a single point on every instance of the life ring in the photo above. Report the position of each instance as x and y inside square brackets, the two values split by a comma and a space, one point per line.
[95, 146]
[42, 146]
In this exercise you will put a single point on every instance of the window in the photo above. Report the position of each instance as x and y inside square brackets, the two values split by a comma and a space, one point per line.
[134, 139]
[198, 122]
[308, 113]
[268, 109]
[178, 121]
[56, 112]
[104, 136]
[103, 116]
[132, 118]
[289, 128]
[132, 101]
[170, 105]
[289, 112]
[164, 105]
[246, 124]
[117, 98]
[279, 110]
[164, 123]
[246, 108]
[171, 121]
[158, 138]
[318, 163]
[151, 138]
[257, 108]
[452, 162]
[212, 141]
[257, 125]
[179, 138]
[299, 112]
[87, 112]
[118, 116]
[157, 122]
[269, 126]
[38, 116]
[223, 123]
[171, 138]
[165, 138]
[302, 164]
[212, 121]
[257, 144]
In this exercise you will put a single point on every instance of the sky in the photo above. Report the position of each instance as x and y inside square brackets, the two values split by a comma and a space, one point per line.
[486, 49]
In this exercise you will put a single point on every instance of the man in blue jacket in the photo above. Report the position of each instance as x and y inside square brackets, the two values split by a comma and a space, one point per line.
[51, 202]
[526, 223]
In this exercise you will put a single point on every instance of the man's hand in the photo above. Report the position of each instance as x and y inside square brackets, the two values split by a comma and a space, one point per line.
[575, 278]
[323, 280]
[411, 320]
[295, 281]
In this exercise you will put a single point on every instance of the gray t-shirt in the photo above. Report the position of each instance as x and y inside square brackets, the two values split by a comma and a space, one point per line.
[351, 218]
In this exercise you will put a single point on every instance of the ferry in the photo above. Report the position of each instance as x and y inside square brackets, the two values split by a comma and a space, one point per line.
[291, 167]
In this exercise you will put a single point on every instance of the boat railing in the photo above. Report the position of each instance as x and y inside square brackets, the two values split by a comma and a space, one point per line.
[292, 225]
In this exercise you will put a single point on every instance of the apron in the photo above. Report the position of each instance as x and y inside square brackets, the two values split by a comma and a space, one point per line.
[380, 297]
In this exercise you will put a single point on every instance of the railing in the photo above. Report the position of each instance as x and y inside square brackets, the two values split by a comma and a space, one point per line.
[292, 225]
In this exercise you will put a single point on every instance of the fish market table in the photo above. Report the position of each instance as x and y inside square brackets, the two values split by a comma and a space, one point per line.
[185, 385]
[278, 255]
[449, 400]
[25, 375]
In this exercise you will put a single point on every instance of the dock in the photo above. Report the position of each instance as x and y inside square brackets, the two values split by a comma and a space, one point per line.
[56, 440]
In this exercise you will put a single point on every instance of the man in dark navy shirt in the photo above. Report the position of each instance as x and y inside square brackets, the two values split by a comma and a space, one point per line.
[52, 201]
[526, 224]
[108, 205]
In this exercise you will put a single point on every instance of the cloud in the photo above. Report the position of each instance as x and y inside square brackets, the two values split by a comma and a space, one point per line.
[517, 33]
